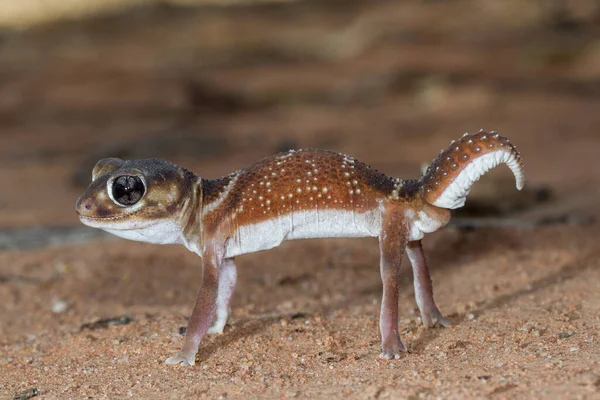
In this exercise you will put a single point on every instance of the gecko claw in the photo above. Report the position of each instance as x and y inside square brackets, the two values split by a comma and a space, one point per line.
[184, 360]
[434, 319]
[389, 356]
[392, 348]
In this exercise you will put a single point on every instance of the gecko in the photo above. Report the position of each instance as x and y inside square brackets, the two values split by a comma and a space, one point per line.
[298, 194]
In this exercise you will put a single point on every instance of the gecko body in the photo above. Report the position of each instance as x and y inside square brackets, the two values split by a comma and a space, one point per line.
[294, 195]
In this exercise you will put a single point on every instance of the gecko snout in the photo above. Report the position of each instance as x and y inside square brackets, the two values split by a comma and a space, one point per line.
[84, 206]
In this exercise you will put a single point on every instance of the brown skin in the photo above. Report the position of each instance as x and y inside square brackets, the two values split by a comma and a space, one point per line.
[206, 303]
[452, 161]
[290, 182]
[393, 239]
[168, 191]
[430, 314]
[205, 214]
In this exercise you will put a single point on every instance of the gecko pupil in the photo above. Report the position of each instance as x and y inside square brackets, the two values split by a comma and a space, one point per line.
[128, 189]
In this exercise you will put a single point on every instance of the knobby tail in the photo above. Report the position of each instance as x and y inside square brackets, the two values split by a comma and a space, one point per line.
[449, 178]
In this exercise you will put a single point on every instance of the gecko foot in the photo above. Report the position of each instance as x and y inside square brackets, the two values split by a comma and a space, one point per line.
[216, 328]
[186, 360]
[392, 348]
[434, 318]
[220, 321]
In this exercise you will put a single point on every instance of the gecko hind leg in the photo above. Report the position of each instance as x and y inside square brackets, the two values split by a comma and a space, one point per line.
[392, 241]
[430, 314]
[227, 279]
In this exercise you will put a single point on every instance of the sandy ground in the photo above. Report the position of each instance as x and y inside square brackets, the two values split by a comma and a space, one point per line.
[214, 90]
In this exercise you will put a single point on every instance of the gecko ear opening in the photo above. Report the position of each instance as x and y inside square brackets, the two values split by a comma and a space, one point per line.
[105, 166]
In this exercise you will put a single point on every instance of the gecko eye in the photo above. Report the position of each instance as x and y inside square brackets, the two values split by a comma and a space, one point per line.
[128, 189]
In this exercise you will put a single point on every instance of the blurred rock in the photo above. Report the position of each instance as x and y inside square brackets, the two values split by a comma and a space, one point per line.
[22, 14]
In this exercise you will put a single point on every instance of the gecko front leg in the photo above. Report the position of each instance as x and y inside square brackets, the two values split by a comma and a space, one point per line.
[392, 241]
[204, 309]
[430, 314]
[227, 279]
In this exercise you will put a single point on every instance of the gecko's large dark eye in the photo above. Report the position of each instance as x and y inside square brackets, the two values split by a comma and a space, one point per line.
[128, 189]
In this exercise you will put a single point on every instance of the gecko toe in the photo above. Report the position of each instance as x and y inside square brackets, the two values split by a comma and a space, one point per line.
[434, 318]
[184, 360]
[392, 348]
[216, 330]
[389, 356]
[443, 322]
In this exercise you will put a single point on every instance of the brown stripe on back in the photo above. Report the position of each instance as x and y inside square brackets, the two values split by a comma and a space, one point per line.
[301, 180]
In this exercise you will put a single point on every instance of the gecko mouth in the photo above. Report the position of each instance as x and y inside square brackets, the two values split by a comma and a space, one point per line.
[117, 223]
[106, 222]
[102, 218]
[113, 218]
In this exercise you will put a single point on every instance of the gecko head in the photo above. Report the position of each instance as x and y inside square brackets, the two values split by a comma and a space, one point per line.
[139, 199]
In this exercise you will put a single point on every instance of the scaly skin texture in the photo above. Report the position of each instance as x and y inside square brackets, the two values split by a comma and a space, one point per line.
[453, 161]
[293, 195]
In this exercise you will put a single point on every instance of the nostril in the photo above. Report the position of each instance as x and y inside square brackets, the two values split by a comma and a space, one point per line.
[84, 205]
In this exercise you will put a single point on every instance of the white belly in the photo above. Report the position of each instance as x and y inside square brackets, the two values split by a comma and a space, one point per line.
[159, 232]
[303, 225]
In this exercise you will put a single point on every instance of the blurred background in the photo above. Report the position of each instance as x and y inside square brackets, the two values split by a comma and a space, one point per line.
[216, 85]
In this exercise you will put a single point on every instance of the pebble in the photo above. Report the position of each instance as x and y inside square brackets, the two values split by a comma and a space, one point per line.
[59, 306]
[564, 335]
